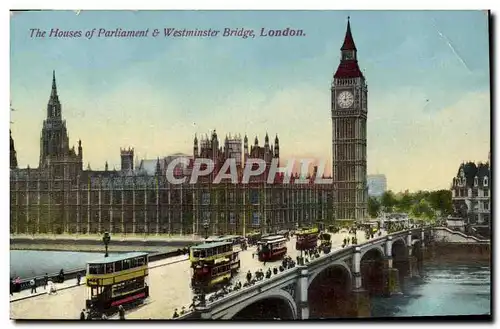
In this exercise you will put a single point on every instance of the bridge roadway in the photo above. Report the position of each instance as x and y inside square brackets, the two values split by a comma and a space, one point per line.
[169, 289]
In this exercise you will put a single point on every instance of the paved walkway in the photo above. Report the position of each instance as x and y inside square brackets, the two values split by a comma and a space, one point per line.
[26, 293]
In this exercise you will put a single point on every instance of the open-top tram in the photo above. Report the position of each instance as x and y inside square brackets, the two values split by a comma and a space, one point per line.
[117, 280]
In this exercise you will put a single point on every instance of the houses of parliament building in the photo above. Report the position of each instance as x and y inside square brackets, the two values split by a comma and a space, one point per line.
[61, 197]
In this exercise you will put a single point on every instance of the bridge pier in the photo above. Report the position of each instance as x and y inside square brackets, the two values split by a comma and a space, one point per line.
[360, 298]
[302, 302]
[391, 274]
[360, 303]
[203, 313]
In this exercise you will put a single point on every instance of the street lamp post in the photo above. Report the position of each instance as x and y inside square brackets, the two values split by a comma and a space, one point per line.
[106, 239]
[205, 227]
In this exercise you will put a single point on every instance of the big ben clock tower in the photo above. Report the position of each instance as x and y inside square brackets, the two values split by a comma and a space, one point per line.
[349, 112]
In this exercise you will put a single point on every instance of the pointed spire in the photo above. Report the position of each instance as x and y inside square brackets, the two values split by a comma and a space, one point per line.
[348, 40]
[54, 85]
[276, 140]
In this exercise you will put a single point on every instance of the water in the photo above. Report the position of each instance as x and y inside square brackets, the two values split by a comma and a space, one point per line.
[453, 289]
[30, 263]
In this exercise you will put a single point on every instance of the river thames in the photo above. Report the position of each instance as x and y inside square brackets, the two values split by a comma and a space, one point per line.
[442, 289]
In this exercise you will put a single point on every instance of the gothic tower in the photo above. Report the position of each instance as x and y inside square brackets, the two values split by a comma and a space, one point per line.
[54, 142]
[349, 112]
[13, 155]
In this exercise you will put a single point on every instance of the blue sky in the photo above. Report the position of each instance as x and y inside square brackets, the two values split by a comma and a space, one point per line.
[155, 93]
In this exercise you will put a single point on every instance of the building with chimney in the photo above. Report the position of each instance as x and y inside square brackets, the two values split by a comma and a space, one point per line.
[61, 197]
[471, 192]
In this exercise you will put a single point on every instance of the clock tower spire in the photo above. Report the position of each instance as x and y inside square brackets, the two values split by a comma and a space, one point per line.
[349, 113]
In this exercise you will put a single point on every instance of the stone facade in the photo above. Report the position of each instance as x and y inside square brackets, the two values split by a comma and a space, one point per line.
[60, 197]
[349, 106]
[471, 192]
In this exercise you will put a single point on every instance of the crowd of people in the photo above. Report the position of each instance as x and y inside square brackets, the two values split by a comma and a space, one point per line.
[45, 281]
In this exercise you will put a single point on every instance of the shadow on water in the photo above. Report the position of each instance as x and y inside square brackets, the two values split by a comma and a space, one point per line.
[441, 289]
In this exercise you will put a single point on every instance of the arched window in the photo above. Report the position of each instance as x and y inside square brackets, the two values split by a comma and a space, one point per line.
[475, 181]
[485, 183]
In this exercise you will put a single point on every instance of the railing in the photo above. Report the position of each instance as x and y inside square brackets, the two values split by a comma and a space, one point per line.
[72, 273]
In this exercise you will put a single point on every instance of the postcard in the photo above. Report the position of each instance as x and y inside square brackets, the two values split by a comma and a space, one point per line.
[249, 165]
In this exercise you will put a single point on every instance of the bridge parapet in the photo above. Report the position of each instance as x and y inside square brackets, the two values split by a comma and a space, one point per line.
[447, 235]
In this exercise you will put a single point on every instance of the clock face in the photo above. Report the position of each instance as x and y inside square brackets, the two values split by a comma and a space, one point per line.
[345, 99]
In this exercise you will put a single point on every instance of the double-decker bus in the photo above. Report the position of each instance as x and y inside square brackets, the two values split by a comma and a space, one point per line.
[213, 264]
[272, 248]
[307, 238]
[117, 280]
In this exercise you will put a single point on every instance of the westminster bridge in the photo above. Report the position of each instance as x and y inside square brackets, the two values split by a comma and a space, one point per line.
[337, 284]
[334, 284]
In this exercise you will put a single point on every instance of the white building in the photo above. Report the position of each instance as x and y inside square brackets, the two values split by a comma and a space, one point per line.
[377, 185]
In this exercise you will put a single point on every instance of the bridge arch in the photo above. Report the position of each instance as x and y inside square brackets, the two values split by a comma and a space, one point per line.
[326, 266]
[329, 291]
[372, 250]
[399, 250]
[275, 304]
[372, 270]
[399, 239]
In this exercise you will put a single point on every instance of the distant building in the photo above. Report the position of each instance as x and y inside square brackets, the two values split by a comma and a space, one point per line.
[471, 192]
[377, 185]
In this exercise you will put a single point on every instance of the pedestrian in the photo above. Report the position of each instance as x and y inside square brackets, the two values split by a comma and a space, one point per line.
[12, 286]
[45, 281]
[78, 278]
[17, 284]
[176, 315]
[121, 312]
[82, 315]
[61, 276]
[33, 286]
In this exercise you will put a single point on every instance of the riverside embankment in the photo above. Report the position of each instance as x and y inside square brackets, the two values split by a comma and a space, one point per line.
[94, 243]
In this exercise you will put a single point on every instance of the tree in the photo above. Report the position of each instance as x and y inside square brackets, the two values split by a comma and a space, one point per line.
[373, 207]
[388, 201]
[422, 209]
[405, 202]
